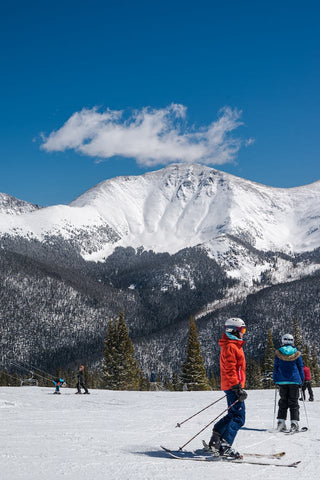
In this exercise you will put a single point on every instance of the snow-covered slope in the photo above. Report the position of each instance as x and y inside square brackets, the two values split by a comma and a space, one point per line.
[113, 435]
[177, 207]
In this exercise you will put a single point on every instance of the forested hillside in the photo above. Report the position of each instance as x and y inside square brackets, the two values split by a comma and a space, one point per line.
[276, 307]
[57, 314]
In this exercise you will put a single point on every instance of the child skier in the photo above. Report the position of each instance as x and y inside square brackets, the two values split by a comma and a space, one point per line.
[58, 383]
[232, 370]
[288, 375]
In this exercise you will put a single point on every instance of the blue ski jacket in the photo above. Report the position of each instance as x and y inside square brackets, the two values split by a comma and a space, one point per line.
[288, 366]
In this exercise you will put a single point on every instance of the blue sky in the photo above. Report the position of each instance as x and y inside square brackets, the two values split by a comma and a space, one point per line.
[89, 88]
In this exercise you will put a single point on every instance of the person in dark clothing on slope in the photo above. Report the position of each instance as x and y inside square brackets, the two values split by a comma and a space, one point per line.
[232, 370]
[288, 375]
[153, 381]
[81, 380]
[307, 385]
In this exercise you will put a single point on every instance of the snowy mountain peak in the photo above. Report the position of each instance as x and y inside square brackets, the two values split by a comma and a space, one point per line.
[12, 206]
[185, 205]
[180, 206]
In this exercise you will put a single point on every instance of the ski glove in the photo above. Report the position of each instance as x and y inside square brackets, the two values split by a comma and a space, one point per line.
[241, 394]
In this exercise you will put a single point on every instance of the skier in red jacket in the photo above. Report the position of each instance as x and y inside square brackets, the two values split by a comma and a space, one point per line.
[307, 384]
[233, 376]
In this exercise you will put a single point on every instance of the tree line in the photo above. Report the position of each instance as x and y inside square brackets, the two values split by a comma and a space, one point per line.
[120, 369]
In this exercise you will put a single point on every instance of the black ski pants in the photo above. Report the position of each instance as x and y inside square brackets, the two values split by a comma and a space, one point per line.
[81, 384]
[289, 399]
[307, 385]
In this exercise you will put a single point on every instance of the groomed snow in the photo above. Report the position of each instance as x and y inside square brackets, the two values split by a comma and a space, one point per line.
[114, 435]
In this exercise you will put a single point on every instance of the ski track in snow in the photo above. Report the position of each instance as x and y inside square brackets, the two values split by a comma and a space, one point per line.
[117, 435]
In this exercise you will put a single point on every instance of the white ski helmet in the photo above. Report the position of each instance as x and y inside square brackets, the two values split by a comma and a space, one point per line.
[235, 324]
[287, 339]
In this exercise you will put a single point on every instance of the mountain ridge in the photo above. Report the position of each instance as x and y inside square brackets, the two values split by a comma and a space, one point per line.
[183, 206]
[13, 206]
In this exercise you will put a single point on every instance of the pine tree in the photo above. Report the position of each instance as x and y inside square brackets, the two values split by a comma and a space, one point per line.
[268, 361]
[144, 383]
[96, 379]
[214, 382]
[306, 356]
[111, 366]
[314, 367]
[176, 382]
[168, 384]
[298, 341]
[71, 378]
[8, 380]
[193, 371]
[253, 374]
[120, 369]
[15, 380]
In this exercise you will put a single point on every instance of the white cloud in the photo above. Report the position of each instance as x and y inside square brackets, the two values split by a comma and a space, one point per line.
[151, 136]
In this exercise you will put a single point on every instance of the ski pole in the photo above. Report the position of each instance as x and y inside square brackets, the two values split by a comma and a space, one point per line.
[305, 409]
[212, 421]
[184, 421]
[275, 407]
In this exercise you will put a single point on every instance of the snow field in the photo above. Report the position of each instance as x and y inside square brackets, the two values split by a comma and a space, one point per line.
[116, 435]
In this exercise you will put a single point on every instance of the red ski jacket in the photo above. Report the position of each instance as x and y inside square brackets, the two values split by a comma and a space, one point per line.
[307, 375]
[232, 363]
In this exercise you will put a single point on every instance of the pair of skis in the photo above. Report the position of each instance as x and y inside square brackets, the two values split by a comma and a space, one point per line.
[289, 432]
[206, 456]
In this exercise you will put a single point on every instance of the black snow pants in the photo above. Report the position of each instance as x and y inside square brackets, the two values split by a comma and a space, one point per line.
[307, 385]
[83, 385]
[289, 399]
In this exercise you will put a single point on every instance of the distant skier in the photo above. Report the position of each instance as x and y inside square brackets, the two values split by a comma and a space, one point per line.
[232, 370]
[288, 375]
[58, 382]
[153, 381]
[81, 380]
[307, 384]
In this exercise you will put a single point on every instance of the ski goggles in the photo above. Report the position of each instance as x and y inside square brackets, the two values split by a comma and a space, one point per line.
[232, 328]
[242, 329]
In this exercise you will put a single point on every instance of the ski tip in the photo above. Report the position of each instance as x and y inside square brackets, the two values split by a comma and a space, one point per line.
[169, 449]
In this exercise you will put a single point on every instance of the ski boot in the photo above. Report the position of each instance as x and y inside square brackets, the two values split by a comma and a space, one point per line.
[294, 426]
[215, 443]
[281, 426]
[228, 452]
